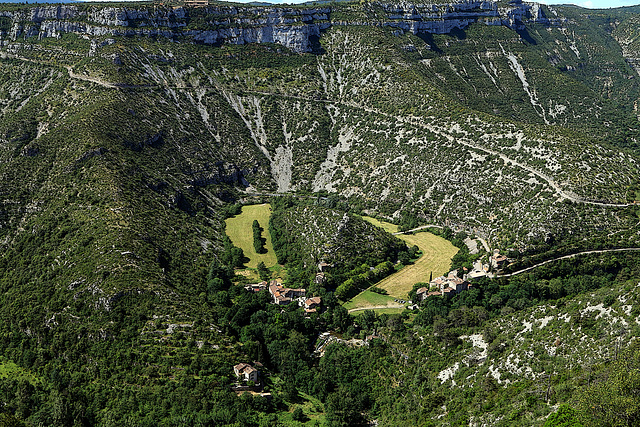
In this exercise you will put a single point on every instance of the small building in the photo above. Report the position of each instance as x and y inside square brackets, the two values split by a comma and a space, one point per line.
[421, 293]
[311, 305]
[497, 260]
[458, 284]
[437, 282]
[312, 302]
[281, 299]
[449, 285]
[479, 270]
[256, 287]
[246, 372]
[282, 295]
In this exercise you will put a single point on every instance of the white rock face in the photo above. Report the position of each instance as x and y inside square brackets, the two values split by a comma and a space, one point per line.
[293, 28]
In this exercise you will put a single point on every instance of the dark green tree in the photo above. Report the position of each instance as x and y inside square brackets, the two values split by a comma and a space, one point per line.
[565, 417]
[258, 240]
[298, 415]
[263, 271]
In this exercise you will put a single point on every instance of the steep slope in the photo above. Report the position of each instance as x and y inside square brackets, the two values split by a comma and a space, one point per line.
[176, 125]
[313, 234]
[109, 226]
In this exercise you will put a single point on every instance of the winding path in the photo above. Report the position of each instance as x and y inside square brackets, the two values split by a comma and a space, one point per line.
[524, 270]
[564, 194]
[376, 307]
[415, 121]
[422, 227]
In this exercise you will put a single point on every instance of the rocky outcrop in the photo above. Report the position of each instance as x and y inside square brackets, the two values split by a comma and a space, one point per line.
[295, 28]
[443, 18]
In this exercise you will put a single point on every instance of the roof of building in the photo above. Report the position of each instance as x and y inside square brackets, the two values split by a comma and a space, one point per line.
[274, 288]
[249, 369]
[240, 367]
[313, 301]
[455, 280]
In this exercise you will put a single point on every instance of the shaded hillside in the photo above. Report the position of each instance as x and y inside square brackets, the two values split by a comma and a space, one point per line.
[451, 128]
[311, 234]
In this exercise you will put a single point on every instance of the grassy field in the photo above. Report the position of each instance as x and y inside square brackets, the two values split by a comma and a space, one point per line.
[436, 258]
[368, 299]
[386, 226]
[240, 232]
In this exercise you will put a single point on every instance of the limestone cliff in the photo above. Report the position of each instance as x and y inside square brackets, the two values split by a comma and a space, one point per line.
[295, 28]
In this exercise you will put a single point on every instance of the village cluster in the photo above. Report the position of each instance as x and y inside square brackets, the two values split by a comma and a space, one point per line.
[453, 284]
[445, 286]
[285, 296]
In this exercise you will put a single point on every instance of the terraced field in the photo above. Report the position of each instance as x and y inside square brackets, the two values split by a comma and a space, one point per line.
[240, 232]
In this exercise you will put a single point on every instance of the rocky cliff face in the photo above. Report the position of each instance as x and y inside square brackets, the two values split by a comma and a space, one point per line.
[294, 28]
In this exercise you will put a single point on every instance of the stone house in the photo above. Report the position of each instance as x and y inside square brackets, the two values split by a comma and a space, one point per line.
[256, 287]
[311, 305]
[246, 372]
[497, 261]
[449, 285]
[282, 295]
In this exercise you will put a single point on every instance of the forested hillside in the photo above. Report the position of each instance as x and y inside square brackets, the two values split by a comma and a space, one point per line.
[128, 133]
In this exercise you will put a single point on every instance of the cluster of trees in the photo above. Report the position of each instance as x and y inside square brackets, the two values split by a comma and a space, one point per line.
[258, 240]
[132, 379]
[555, 281]
[304, 233]
[231, 255]
[286, 248]
[361, 278]
[229, 210]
